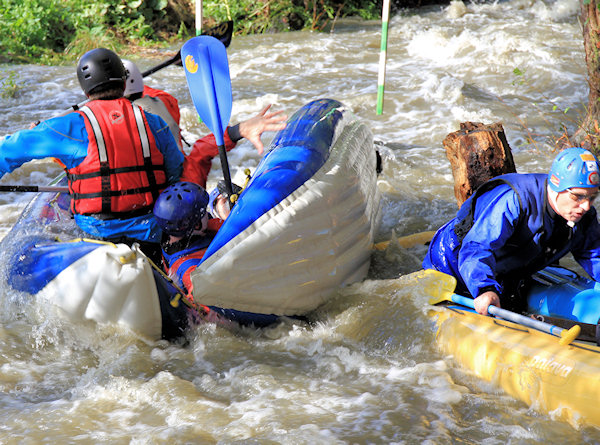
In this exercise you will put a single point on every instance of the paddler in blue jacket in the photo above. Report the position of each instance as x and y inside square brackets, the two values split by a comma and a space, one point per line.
[517, 224]
[117, 157]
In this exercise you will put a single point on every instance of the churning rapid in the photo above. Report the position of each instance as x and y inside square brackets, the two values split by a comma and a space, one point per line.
[368, 369]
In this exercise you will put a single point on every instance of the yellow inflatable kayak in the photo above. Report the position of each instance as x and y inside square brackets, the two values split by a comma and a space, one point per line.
[528, 364]
[552, 374]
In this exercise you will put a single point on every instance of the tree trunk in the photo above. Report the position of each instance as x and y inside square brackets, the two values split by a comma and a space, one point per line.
[477, 153]
[588, 134]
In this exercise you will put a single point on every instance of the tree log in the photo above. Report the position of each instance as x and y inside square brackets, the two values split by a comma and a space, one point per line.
[477, 153]
[587, 135]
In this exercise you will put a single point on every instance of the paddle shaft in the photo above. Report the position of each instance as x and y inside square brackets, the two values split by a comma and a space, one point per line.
[510, 316]
[33, 188]
[442, 287]
[226, 172]
[175, 59]
[222, 32]
[407, 241]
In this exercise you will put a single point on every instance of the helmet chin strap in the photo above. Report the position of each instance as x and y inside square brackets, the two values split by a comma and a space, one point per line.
[201, 227]
[552, 197]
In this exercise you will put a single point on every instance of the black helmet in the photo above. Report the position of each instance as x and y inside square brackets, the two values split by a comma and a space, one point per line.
[98, 67]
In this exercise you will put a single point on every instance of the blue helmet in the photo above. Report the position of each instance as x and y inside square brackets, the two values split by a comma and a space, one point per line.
[573, 167]
[180, 207]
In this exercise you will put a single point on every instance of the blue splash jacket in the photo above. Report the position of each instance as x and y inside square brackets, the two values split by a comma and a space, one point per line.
[505, 230]
[65, 138]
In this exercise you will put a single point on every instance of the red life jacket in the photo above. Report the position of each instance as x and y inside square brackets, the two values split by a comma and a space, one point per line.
[124, 171]
[180, 265]
[186, 278]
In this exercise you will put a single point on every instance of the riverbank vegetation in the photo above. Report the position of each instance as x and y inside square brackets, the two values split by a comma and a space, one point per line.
[47, 31]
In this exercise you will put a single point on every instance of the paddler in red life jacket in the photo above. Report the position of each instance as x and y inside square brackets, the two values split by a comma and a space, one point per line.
[117, 157]
[517, 224]
[188, 229]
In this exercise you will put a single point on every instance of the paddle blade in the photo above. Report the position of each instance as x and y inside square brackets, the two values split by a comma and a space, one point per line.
[407, 241]
[440, 286]
[223, 32]
[207, 74]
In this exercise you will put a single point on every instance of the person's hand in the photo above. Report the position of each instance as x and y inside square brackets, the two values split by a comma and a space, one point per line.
[254, 127]
[221, 207]
[482, 302]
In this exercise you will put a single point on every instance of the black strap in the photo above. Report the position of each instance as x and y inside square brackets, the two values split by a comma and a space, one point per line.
[114, 171]
[122, 215]
[113, 193]
[467, 218]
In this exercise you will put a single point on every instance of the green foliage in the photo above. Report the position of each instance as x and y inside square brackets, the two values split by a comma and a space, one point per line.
[259, 16]
[43, 30]
[33, 27]
[9, 88]
[90, 38]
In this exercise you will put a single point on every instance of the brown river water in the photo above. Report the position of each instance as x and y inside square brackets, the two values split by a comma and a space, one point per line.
[368, 370]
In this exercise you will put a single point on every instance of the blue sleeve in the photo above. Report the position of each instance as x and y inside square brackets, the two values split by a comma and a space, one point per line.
[168, 147]
[496, 216]
[63, 137]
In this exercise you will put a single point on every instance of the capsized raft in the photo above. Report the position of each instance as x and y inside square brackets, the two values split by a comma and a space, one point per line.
[530, 365]
[302, 227]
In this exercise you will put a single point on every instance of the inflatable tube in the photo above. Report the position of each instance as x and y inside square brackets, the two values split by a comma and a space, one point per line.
[559, 292]
[304, 225]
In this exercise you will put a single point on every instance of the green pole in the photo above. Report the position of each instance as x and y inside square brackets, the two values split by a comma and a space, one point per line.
[385, 15]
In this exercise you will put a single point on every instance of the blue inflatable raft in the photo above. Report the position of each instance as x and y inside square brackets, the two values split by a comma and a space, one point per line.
[302, 227]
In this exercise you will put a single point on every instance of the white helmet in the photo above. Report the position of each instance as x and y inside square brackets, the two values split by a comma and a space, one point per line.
[135, 81]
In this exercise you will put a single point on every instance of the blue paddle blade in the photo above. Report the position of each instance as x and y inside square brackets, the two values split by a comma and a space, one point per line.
[207, 74]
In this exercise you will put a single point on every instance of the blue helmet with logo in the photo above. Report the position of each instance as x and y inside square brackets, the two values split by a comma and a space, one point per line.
[573, 167]
[180, 207]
